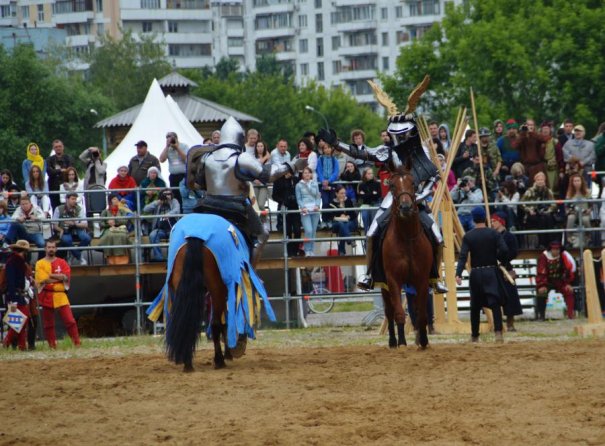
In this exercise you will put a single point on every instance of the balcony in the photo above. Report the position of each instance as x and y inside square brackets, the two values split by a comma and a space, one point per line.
[76, 11]
[188, 4]
[350, 51]
[347, 74]
[268, 33]
[348, 27]
[165, 14]
[187, 38]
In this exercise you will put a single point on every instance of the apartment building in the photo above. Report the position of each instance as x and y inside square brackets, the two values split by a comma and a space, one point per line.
[335, 42]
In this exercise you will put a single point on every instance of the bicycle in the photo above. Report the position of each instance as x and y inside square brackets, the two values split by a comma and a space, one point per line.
[319, 300]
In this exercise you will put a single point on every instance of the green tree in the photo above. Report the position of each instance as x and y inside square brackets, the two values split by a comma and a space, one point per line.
[542, 59]
[122, 69]
[38, 106]
[280, 104]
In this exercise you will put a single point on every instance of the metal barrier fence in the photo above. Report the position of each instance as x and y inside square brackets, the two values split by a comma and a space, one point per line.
[138, 246]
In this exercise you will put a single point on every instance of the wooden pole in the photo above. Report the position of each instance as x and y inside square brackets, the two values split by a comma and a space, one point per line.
[483, 185]
[595, 325]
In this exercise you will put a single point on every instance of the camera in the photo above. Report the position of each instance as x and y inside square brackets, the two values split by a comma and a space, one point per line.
[173, 140]
[524, 128]
[463, 183]
[95, 154]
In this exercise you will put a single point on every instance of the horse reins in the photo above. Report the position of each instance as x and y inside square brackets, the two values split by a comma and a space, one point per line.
[401, 194]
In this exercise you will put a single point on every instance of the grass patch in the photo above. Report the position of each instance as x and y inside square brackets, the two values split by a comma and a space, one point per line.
[342, 307]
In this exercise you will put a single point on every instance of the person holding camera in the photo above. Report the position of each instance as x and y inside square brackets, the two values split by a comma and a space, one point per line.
[176, 154]
[96, 168]
[466, 192]
[72, 223]
[163, 208]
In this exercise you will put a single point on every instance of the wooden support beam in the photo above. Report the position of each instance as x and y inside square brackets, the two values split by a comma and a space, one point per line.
[595, 325]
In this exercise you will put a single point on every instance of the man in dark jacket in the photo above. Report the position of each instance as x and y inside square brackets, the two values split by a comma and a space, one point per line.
[486, 282]
[140, 164]
[56, 166]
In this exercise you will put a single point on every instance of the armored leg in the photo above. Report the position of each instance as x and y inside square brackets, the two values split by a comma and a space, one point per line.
[438, 286]
[367, 282]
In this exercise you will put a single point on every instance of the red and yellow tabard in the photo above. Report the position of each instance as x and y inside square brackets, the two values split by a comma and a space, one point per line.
[52, 294]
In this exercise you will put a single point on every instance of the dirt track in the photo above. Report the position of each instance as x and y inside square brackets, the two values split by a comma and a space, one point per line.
[518, 393]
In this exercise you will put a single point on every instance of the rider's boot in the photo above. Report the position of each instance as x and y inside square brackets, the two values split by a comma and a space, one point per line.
[437, 285]
[366, 282]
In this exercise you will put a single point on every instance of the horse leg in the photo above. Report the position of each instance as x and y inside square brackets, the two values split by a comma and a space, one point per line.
[422, 339]
[217, 329]
[399, 314]
[227, 352]
[389, 314]
[218, 292]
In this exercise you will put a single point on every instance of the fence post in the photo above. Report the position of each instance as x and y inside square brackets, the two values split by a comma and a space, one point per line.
[283, 215]
[137, 262]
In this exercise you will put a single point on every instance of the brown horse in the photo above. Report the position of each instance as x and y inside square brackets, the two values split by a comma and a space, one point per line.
[194, 274]
[407, 256]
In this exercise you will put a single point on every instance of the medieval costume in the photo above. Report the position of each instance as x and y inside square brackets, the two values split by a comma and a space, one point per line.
[53, 296]
[407, 149]
[556, 270]
[17, 296]
[532, 153]
[486, 283]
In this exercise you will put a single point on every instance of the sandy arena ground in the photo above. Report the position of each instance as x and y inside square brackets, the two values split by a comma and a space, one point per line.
[531, 393]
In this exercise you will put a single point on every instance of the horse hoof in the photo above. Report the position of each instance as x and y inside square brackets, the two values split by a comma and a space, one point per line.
[240, 348]
[422, 347]
[228, 355]
[219, 365]
[188, 368]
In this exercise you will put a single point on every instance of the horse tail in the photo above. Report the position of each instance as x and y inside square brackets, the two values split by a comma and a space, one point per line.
[187, 312]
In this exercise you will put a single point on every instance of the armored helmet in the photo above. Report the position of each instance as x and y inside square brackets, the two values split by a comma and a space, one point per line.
[232, 133]
[401, 128]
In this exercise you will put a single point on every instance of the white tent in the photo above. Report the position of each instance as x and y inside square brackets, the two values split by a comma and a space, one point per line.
[158, 115]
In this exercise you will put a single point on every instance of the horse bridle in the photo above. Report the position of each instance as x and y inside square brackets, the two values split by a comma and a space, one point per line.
[401, 194]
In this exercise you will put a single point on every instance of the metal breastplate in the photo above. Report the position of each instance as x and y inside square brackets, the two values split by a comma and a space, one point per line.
[220, 176]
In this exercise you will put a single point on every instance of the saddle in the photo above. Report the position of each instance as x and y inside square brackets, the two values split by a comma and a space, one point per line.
[232, 209]
[378, 273]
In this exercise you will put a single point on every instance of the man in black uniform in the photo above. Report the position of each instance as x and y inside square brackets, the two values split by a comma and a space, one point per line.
[486, 282]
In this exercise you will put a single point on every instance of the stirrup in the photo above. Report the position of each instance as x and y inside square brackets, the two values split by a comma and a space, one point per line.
[366, 283]
[439, 287]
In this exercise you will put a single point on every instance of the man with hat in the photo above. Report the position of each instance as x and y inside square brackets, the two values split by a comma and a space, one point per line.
[581, 148]
[17, 285]
[490, 152]
[512, 307]
[556, 271]
[141, 162]
[53, 276]
[507, 145]
[486, 247]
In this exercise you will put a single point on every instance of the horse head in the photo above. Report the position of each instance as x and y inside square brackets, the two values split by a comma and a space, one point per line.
[403, 191]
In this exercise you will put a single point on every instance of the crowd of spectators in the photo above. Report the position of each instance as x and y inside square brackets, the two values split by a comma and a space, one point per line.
[522, 164]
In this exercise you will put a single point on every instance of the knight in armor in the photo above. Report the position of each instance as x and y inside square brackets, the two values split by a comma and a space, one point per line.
[406, 144]
[225, 171]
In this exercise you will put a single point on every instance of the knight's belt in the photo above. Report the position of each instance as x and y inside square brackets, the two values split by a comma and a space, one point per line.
[483, 267]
